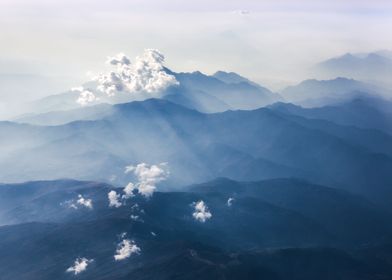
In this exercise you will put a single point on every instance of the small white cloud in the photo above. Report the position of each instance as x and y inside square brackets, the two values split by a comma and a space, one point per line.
[79, 266]
[86, 96]
[88, 203]
[201, 212]
[128, 190]
[125, 249]
[153, 234]
[114, 199]
[80, 202]
[230, 201]
[148, 177]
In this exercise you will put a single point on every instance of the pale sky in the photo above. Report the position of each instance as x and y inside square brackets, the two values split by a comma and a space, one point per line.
[54, 43]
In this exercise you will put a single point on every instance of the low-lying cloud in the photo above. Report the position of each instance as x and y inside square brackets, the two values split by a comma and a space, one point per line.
[80, 202]
[79, 266]
[201, 212]
[148, 176]
[114, 199]
[86, 96]
[88, 203]
[125, 249]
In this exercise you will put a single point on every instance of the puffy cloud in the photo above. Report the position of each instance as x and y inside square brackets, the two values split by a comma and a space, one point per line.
[114, 199]
[230, 201]
[81, 201]
[125, 249]
[201, 213]
[148, 177]
[86, 96]
[128, 190]
[145, 75]
[110, 83]
[88, 203]
[80, 265]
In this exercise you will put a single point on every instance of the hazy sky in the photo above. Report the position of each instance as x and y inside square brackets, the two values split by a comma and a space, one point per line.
[48, 46]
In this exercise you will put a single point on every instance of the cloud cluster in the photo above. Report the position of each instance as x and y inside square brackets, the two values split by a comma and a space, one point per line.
[79, 266]
[146, 74]
[148, 177]
[142, 78]
[125, 249]
[201, 212]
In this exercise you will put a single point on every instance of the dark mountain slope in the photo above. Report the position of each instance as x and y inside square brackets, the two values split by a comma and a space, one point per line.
[246, 145]
[348, 216]
[248, 239]
[360, 112]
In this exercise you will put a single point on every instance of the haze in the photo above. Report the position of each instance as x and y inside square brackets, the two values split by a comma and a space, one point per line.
[47, 47]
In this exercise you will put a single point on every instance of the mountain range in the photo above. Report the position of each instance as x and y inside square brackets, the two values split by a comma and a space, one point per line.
[215, 178]
[243, 145]
[374, 66]
[216, 93]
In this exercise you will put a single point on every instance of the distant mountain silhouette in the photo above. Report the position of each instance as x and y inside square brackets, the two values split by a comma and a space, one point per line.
[317, 93]
[363, 112]
[196, 90]
[375, 66]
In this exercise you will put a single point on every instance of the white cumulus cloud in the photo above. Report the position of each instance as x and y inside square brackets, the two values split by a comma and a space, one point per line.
[230, 201]
[114, 199]
[80, 202]
[88, 203]
[146, 74]
[128, 190]
[86, 96]
[148, 177]
[125, 249]
[201, 212]
[80, 265]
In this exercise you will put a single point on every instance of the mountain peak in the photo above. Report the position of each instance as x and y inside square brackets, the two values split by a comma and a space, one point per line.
[230, 77]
